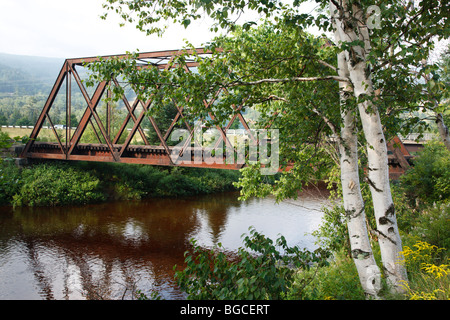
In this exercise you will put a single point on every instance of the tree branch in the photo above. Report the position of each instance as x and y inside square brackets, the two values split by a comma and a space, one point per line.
[294, 79]
[326, 64]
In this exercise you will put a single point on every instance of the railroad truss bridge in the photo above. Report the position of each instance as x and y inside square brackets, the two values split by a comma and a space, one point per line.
[110, 144]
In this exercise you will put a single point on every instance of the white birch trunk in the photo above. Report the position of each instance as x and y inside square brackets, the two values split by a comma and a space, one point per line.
[361, 250]
[443, 130]
[378, 170]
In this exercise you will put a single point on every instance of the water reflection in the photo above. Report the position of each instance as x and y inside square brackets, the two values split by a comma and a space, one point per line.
[105, 251]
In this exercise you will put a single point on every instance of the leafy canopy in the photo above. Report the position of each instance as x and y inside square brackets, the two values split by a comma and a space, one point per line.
[285, 74]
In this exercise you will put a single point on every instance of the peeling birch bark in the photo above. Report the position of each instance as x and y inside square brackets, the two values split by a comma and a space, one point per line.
[368, 271]
[378, 178]
[361, 250]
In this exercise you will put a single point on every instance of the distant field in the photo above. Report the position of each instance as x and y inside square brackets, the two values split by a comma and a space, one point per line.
[20, 132]
[14, 132]
[46, 134]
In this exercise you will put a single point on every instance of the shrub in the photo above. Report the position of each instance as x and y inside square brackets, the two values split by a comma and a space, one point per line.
[429, 179]
[10, 181]
[332, 232]
[337, 281]
[50, 185]
[262, 273]
[433, 225]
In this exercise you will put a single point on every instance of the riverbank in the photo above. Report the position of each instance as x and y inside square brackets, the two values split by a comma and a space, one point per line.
[78, 183]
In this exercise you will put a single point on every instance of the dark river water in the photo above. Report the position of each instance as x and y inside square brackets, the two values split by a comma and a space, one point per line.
[106, 251]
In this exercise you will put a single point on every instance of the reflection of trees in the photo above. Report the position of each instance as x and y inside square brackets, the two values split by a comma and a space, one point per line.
[38, 268]
[216, 209]
[94, 241]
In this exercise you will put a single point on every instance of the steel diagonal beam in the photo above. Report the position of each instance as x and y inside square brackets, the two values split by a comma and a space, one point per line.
[129, 115]
[158, 133]
[136, 125]
[133, 130]
[87, 114]
[191, 132]
[56, 133]
[175, 120]
[172, 125]
[211, 115]
[244, 123]
[48, 104]
[95, 131]
[242, 119]
[125, 122]
[226, 129]
[177, 116]
[92, 108]
[153, 122]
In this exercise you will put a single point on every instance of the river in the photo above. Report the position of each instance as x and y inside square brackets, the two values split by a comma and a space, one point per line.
[105, 251]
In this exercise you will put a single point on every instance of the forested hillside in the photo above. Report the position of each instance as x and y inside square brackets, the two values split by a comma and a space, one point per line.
[25, 82]
[27, 74]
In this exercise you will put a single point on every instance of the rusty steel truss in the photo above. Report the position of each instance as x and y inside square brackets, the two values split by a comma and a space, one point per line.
[109, 149]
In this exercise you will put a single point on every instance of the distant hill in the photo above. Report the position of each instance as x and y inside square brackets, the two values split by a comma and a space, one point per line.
[27, 74]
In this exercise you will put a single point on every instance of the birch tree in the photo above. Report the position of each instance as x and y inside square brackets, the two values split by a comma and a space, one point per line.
[370, 59]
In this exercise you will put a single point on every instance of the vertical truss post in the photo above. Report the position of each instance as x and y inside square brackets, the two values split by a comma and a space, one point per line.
[68, 108]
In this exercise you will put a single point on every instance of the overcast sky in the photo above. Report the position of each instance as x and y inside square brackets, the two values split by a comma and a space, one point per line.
[73, 28]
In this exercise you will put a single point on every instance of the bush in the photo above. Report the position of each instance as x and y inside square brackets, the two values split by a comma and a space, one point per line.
[264, 273]
[122, 181]
[134, 181]
[332, 232]
[424, 210]
[62, 183]
[337, 281]
[50, 185]
[433, 225]
[429, 179]
[10, 181]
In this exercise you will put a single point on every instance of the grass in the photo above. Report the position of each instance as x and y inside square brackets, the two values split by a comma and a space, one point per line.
[47, 134]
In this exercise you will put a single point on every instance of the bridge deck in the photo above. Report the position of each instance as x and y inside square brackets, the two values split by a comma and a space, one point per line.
[156, 155]
[141, 154]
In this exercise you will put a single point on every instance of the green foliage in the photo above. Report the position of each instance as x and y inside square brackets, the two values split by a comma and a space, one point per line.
[5, 140]
[85, 182]
[123, 181]
[337, 281]
[127, 181]
[432, 225]
[258, 271]
[45, 185]
[429, 179]
[332, 232]
[10, 181]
